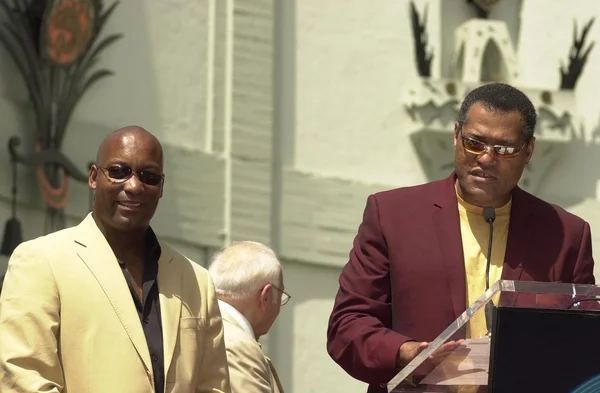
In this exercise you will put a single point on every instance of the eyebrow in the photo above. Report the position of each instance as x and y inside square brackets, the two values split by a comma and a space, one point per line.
[149, 166]
[152, 166]
[497, 142]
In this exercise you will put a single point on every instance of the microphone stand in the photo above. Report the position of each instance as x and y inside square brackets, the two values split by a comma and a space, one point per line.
[489, 214]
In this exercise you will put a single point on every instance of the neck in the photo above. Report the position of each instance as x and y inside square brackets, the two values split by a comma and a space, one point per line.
[127, 246]
[473, 200]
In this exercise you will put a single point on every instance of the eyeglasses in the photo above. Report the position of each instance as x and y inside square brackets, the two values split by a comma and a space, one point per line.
[477, 147]
[285, 297]
[121, 173]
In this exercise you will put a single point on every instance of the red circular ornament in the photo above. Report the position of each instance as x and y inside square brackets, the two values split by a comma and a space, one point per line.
[68, 28]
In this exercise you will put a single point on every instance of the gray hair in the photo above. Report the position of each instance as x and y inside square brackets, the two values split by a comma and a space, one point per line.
[242, 269]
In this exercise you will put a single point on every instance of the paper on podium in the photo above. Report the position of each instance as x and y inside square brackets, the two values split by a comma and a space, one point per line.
[466, 365]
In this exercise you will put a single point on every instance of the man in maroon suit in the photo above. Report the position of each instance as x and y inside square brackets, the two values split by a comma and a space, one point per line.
[419, 257]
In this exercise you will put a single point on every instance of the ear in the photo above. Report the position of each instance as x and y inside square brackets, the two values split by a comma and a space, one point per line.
[162, 186]
[456, 131]
[529, 150]
[93, 177]
[265, 297]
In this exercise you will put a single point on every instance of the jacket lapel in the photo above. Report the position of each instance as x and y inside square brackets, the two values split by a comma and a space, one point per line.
[447, 226]
[520, 232]
[97, 255]
[170, 286]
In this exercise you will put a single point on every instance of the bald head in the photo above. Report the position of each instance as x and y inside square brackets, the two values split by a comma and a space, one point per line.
[243, 268]
[248, 276]
[127, 179]
[128, 135]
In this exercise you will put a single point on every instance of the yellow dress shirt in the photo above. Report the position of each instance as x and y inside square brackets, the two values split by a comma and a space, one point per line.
[475, 239]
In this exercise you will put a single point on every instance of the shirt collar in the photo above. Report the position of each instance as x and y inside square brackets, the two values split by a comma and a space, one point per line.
[239, 318]
[500, 211]
[153, 245]
[152, 250]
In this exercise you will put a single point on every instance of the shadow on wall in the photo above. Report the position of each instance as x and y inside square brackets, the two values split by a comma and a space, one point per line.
[574, 177]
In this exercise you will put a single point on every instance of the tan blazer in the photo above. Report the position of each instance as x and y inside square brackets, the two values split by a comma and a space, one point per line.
[68, 322]
[249, 369]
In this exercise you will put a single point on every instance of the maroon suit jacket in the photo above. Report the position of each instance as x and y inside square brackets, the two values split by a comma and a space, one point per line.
[406, 277]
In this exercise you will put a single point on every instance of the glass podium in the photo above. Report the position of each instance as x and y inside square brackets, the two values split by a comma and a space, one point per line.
[545, 337]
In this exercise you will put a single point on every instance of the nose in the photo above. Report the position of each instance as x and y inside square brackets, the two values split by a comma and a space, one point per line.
[133, 185]
[488, 157]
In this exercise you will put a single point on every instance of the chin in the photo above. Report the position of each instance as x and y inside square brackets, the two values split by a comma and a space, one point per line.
[478, 196]
[126, 224]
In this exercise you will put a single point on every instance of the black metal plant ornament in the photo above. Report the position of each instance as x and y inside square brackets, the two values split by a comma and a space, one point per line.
[578, 55]
[56, 45]
[419, 31]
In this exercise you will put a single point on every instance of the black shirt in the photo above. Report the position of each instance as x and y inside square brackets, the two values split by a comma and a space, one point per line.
[148, 308]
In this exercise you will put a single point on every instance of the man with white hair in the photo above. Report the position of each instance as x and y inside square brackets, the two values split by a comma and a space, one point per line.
[249, 283]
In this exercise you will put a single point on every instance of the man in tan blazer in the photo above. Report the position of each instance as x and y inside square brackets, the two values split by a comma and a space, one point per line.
[249, 284]
[105, 306]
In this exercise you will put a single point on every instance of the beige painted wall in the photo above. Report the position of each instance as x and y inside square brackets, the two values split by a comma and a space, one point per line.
[279, 118]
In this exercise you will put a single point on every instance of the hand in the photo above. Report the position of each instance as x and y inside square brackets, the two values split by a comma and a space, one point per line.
[410, 349]
[443, 351]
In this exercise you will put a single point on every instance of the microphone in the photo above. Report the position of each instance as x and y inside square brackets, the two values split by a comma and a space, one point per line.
[489, 214]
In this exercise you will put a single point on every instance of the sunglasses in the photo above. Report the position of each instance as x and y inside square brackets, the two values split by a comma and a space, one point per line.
[121, 173]
[477, 147]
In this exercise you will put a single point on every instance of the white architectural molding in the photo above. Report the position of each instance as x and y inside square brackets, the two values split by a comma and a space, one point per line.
[484, 51]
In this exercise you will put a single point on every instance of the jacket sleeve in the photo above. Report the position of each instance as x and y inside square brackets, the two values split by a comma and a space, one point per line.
[214, 374]
[29, 325]
[583, 273]
[359, 335]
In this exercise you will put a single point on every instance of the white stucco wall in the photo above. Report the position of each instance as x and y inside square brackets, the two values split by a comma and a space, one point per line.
[544, 43]
[161, 71]
[352, 61]
[302, 362]
[286, 151]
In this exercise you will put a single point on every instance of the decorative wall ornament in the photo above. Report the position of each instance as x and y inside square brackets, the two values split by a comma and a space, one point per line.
[485, 52]
[423, 56]
[483, 7]
[577, 57]
[56, 45]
